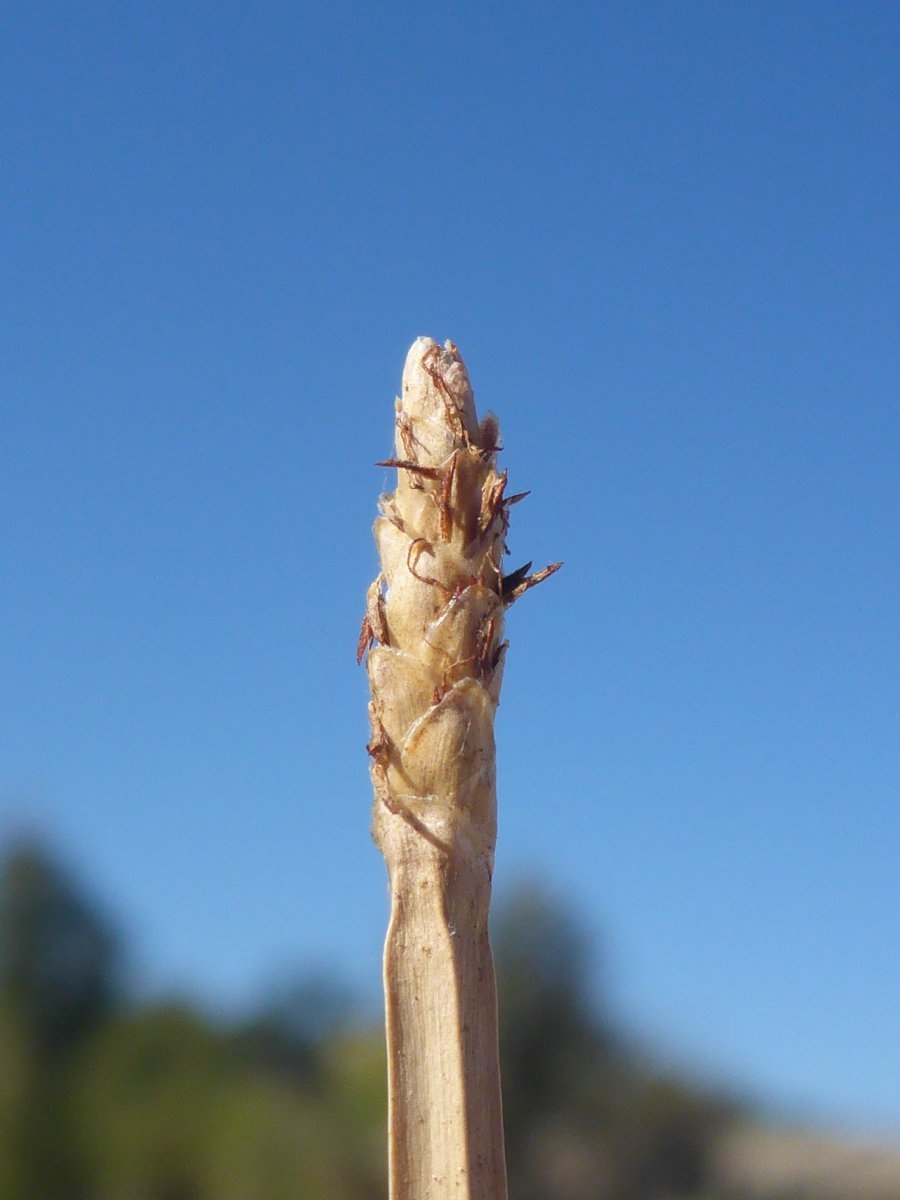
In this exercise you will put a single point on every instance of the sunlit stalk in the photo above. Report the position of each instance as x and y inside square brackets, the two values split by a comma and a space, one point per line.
[434, 634]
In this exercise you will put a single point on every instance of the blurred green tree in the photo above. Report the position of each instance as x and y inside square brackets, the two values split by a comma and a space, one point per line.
[147, 1088]
[287, 1033]
[58, 982]
[105, 1100]
[59, 962]
[585, 1118]
[557, 1056]
[170, 1108]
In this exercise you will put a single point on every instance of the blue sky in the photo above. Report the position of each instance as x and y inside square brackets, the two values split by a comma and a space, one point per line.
[666, 240]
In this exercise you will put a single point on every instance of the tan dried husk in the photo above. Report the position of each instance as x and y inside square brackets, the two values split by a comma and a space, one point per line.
[436, 610]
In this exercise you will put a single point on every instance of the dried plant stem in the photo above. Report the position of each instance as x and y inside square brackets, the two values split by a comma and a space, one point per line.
[445, 1124]
[434, 629]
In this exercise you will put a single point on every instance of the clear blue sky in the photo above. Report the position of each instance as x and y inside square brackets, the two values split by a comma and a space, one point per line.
[666, 238]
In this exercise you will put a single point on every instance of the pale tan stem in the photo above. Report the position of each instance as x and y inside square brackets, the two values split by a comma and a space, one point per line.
[445, 1123]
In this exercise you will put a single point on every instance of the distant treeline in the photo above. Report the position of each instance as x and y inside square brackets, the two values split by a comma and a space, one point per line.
[105, 1098]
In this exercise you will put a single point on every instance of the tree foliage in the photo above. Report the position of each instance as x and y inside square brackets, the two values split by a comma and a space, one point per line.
[106, 1100]
[58, 957]
[585, 1118]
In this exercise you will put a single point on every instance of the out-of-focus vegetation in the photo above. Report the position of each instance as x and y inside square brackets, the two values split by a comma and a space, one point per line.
[105, 1098]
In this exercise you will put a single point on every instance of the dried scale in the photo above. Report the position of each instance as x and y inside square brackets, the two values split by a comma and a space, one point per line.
[434, 634]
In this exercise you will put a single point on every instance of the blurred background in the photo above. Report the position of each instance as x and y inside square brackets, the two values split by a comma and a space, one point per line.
[665, 239]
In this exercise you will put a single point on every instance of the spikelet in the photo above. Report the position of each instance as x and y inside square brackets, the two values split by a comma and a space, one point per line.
[436, 610]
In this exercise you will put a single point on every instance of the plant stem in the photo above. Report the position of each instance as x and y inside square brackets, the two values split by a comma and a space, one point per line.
[435, 624]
